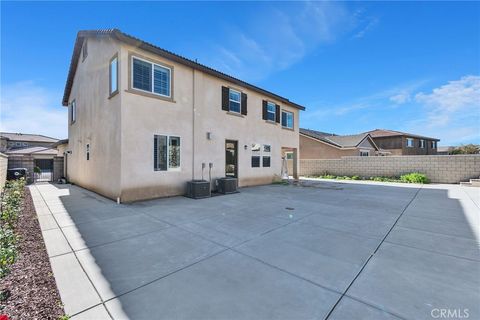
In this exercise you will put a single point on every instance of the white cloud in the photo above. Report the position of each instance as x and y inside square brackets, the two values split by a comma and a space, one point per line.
[28, 108]
[275, 39]
[400, 98]
[452, 100]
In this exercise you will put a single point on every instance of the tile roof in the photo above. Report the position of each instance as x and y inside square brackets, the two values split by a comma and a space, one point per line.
[347, 141]
[393, 133]
[27, 137]
[126, 38]
[31, 150]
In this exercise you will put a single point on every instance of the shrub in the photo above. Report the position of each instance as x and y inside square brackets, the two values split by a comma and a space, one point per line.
[8, 252]
[328, 176]
[11, 203]
[414, 177]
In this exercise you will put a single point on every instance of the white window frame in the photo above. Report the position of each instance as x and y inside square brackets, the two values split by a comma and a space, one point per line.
[269, 104]
[179, 168]
[422, 143]
[230, 100]
[18, 144]
[364, 151]
[153, 77]
[293, 119]
[24, 144]
[410, 145]
[73, 111]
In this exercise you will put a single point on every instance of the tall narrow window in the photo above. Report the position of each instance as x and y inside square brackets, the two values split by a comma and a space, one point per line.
[114, 75]
[271, 111]
[73, 112]
[422, 143]
[87, 149]
[235, 100]
[151, 77]
[166, 152]
[287, 119]
[174, 152]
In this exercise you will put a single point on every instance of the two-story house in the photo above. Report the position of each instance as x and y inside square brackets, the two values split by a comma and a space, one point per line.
[13, 140]
[143, 121]
[321, 145]
[402, 143]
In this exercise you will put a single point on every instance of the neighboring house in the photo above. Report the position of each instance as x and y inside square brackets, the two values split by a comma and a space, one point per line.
[445, 150]
[10, 141]
[143, 121]
[47, 159]
[402, 143]
[321, 145]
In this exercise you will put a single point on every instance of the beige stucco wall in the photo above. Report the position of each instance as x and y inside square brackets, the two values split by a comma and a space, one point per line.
[191, 119]
[3, 169]
[98, 123]
[438, 168]
[121, 130]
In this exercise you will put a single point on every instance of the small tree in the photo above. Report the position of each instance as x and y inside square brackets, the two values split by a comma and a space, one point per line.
[466, 149]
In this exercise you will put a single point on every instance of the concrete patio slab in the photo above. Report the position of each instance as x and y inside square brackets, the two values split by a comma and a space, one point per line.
[75, 289]
[226, 286]
[131, 263]
[92, 234]
[47, 222]
[268, 252]
[326, 257]
[353, 309]
[411, 282]
[232, 230]
[98, 312]
[57, 244]
[436, 242]
[360, 222]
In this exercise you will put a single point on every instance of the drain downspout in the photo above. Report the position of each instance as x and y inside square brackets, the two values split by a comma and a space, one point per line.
[193, 123]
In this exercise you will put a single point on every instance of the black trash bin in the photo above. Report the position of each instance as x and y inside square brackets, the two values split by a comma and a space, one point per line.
[17, 173]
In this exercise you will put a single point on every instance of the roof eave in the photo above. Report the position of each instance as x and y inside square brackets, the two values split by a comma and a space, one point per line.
[123, 37]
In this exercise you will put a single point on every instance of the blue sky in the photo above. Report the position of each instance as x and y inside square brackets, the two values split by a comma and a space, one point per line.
[356, 66]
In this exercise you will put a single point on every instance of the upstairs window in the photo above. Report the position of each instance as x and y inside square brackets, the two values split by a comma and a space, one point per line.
[433, 144]
[422, 143]
[410, 142]
[287, 119]
[234, 100]
[114, 75]
[151, 77]
[364, 153]
[73, 112]
[271, 111]
[166, 152]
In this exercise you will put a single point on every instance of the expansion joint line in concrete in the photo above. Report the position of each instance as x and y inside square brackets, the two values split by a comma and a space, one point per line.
[372, 254]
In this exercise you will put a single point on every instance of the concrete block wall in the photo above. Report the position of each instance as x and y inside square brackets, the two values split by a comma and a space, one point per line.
[3, 170]
[438, 168]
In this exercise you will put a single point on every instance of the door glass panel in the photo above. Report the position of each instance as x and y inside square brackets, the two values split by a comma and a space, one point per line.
[231, 159]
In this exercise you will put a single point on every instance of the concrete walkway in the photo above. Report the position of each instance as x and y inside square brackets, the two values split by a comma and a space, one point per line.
[322, 250]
